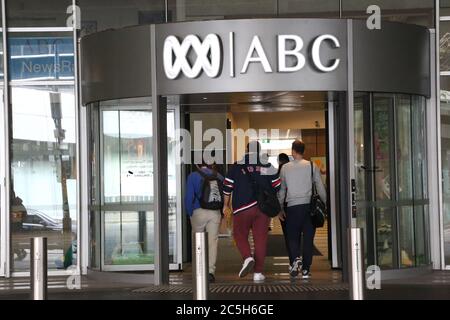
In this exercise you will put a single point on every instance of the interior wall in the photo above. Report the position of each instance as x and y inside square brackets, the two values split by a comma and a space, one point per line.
[287, 120]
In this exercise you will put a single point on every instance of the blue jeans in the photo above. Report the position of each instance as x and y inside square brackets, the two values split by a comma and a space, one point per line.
[298, 221]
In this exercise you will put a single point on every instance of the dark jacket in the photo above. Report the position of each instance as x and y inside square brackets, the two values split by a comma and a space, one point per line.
[239, 185]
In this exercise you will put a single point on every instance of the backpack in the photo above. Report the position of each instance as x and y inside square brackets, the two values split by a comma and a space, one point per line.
[267, 199]
[211, 197]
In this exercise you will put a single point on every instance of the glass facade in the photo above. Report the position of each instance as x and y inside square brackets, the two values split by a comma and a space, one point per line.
[43, 136]
[43, 173]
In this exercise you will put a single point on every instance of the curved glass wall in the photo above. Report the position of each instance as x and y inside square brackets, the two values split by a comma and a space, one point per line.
[122, 217]
[391, 176]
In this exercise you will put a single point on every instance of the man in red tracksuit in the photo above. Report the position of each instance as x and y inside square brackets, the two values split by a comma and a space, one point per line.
[246, 213]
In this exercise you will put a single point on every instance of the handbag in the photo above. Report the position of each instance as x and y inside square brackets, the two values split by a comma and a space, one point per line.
[318, 207]
[267, 199]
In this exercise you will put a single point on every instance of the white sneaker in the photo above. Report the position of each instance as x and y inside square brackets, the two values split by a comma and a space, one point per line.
[248, 265]
[258, 277]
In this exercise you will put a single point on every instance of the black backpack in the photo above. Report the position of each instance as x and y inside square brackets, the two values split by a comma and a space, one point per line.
[211, 197]
[266, 197]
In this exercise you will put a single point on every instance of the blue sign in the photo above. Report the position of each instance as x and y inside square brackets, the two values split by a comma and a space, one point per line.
[41, 58]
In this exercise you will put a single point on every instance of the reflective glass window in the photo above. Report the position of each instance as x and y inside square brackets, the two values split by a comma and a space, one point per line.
[98, 15]
[43, 174]
[42, 13]
[41, 56]
[419, 12]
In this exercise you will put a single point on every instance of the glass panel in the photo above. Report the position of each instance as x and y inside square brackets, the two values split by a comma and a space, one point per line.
[43, 56]
[419, 12]
[421, 236]
[360, 172]
[129, 238]
[444, 45]
[407, 238]
[43, 174]
[218, 9]
[419, 148]
[404, 150]
[42, 13]
[382, 132]
[385, 236]
[445, 152]
[111, 156]
[185, 10]
[128, 183]
[359, 149]
[136, 157]
[309, 8]
[99, 15]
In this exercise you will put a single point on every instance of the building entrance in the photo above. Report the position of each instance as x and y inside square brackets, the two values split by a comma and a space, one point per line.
[275, 119]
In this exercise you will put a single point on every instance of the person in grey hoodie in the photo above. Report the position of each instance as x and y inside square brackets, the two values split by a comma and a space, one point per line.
[296, 190]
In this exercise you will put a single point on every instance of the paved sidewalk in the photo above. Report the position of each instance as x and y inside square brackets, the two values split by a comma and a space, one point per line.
[434, 286]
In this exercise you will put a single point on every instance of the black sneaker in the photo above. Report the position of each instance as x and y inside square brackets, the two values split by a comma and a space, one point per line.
[295, 267]
[211, 278]
[306, 274]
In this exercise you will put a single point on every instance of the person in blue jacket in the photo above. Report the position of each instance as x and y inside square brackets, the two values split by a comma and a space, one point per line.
[204, 220]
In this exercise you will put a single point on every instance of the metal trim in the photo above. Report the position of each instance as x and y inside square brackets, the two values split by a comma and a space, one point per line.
[332, 180]
[39, 29]
[5, 231]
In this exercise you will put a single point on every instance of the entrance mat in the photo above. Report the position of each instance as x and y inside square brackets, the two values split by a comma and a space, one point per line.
[248, 288]
[276, 247]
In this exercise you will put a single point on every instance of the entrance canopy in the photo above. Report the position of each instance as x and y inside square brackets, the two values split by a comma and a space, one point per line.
[255, 55]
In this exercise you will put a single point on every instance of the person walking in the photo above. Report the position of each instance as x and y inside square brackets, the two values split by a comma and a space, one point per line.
[203, 202]
[296, 190]
[239, 185]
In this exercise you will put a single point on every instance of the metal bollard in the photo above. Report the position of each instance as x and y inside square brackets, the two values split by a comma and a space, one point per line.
[201, 283]
[357, 266]
[38, 268]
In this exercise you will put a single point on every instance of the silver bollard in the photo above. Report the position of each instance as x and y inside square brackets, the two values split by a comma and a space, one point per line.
[201, 283]
[357, 266]
[38, 268]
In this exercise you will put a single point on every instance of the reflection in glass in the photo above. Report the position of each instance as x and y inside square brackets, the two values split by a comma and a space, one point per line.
[43, 174]
[390, 144]
[404, 147]
[445, 154]
[420, 12]
[127, 164]
[47, 56]
[42, 13]
[99, 15]
[406, 237]
[384, 235]
[382, 145]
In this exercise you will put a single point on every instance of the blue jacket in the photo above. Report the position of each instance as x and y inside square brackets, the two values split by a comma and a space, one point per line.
[194, 190]
[238, 184]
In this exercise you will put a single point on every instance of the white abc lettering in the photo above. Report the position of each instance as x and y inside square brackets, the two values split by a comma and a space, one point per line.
[172, 47]
[260, 56]
[316, 52]
[283, 53]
